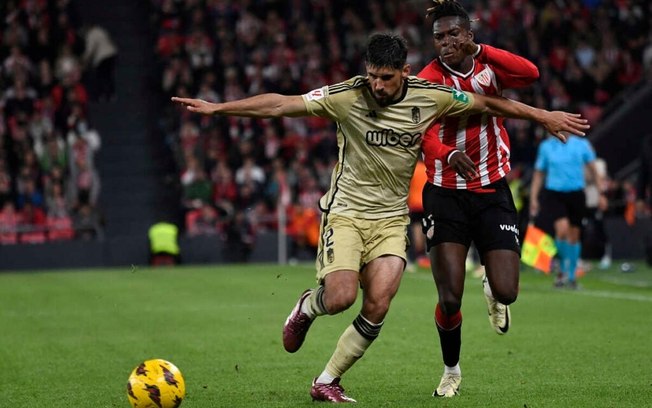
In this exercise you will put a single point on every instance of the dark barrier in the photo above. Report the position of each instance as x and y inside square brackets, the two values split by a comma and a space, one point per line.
[628, 242]
[124, 251]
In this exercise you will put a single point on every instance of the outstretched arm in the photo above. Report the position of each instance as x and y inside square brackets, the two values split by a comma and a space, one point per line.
[512, 71]
[268, 105]
[555, 122]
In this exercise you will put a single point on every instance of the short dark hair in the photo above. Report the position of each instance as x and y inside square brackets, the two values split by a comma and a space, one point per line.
[448, 8]
[386, 50]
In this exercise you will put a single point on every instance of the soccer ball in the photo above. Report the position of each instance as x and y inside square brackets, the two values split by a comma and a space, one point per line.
[156, 384]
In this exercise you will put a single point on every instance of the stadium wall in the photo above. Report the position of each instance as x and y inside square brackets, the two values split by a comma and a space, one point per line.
[116, 252]
[629, 242]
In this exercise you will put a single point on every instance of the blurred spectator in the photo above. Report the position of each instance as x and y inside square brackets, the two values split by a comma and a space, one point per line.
[59, 221]
[415, 204]
[644, 185]
[56, 203]
[87, 223]
[32, 224]
[51, 154]
[595, 242]
[85, 183]
[5, 184]
[197, 190]
[100, 54]
[239, 238]
[9, 221]
[303, 228]
[29, 193]
[67, 66]
[202, 221]
[16, 63]
[19, 99]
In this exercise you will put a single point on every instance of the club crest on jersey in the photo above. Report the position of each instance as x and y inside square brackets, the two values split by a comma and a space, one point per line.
[483, 77]
[331, 255]
[416, 115]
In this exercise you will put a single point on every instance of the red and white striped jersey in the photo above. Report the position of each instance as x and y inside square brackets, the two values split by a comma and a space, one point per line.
[482, 137]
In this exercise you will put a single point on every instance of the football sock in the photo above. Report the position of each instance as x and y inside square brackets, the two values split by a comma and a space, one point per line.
[450, 335]
[487, 288]
[574, 251]
[453, 370]
[314, 305]
[355, 340]
[325, 377]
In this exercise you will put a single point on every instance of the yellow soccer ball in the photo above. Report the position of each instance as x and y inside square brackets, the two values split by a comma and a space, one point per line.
[156, 384]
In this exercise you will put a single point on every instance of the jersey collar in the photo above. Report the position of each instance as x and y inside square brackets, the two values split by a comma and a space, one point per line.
[457, 73]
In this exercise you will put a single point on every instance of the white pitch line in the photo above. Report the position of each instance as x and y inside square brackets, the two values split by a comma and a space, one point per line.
[595, 293]
[626, 282]
[614, 295]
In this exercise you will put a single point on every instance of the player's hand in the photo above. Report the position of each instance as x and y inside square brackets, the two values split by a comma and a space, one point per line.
[469, 47]
[559, 123]
[463, 165]
[195, 105]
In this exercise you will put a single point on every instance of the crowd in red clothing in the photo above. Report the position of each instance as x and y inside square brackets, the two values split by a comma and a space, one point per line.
[220, 50]
[48, 182]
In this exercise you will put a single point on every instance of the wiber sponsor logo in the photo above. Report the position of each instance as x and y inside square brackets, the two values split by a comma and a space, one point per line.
[388, 137]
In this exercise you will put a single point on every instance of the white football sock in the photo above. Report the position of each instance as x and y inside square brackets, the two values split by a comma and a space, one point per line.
[453, 370]
[325, 378]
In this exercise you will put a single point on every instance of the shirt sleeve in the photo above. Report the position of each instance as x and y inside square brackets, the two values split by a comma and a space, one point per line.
[439, 150]
[452, 102]
[430, 74]
[331, 101]
[589, 153]
[512, 71]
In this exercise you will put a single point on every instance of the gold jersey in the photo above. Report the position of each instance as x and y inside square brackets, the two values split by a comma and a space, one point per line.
[379, 145]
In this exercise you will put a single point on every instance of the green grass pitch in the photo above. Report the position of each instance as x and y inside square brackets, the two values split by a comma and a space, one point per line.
[71, 338]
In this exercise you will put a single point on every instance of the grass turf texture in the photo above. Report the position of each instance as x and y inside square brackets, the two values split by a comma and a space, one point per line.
[71, 338]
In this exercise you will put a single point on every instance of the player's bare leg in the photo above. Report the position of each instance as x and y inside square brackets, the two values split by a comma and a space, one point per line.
[500, 286]
[337, 294]
[448, 270]
[380, 280]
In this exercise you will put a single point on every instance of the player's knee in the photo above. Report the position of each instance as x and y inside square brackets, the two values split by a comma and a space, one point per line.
[450, 307]
[375, 309]
[507, 297]
[338, 301]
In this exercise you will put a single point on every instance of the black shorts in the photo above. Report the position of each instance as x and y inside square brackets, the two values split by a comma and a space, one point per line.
[488, 219]
[554, 205]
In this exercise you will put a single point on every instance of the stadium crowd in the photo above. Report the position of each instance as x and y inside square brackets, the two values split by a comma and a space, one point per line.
[220, 50]
[48, 182]
[234, 172]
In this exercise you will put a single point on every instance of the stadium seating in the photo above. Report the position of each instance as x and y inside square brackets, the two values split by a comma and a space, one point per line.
[46, 141]
[586, 53]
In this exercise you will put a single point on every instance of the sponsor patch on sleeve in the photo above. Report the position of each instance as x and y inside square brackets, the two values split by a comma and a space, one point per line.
[316, 94]
[460, 96]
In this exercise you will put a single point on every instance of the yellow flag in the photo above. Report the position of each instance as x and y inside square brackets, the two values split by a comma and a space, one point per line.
[538, 249]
